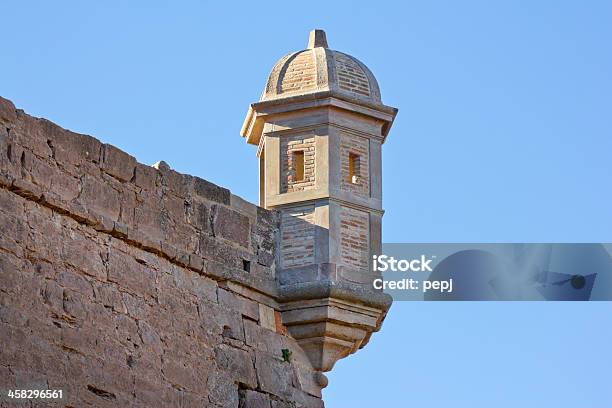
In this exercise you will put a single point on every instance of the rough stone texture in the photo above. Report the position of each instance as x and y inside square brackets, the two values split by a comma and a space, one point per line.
[126, 285]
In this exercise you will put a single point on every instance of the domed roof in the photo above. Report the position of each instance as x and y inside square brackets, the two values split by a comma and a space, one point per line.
[317, 69]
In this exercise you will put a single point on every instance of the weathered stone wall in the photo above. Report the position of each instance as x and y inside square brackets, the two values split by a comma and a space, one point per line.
[127, 285]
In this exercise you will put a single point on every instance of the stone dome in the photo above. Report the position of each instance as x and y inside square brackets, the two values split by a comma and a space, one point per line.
[318, 69]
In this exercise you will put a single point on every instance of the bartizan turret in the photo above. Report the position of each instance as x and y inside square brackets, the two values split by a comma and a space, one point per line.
[319, 127]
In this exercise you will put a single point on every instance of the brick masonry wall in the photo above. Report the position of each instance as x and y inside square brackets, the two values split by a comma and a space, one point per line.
[350, 75]
[354, 238]
[359, 146]
[289, 145]
[124, 285]
[297, 236]
[299, 74]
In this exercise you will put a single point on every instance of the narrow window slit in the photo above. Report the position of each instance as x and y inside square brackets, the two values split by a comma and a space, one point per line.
[298, 165]
[354, 168]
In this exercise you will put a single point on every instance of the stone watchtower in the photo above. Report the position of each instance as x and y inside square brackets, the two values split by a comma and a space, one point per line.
[319, 127]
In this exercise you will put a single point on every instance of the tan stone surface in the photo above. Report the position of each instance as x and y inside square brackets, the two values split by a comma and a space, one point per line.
[319, 127]
[319, 68]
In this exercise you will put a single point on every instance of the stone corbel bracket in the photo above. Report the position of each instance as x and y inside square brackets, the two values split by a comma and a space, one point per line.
[331, 320]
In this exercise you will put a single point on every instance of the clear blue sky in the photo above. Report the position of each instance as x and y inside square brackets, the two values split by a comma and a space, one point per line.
[504, 135]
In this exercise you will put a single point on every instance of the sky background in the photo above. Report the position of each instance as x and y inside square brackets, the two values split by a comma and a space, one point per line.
[504, 134]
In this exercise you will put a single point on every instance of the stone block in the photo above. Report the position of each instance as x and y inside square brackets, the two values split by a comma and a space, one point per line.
[126, 330]
[220, 254]
[180, 375]
[305, 400]
[238, 362]
[199, 286]
[41, 172]
[265, 257]
[177, 183]
[131, 275]
[196, 262]
[108, 295]
[135, 306]
[145, 239]
[7, 111]
[34, 133]
[223, 392]
[97, 195]
[53, 295]
[231, 225]
[275, 376]
[210, 191]
[120, 230]
[147, 392]
[253, 399]
[221, 321]
[184, 238]
[27, 189]
[117, 163]
[147, 217]
[244, 207]
[232, 301]
[282, 404]
[84, 256]
[145, 176]
[199, 216]
[64, 186]
[173, 207]
[267, 319]
[76, 148]
[72, 280]
[14, 232]
[263, 340]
